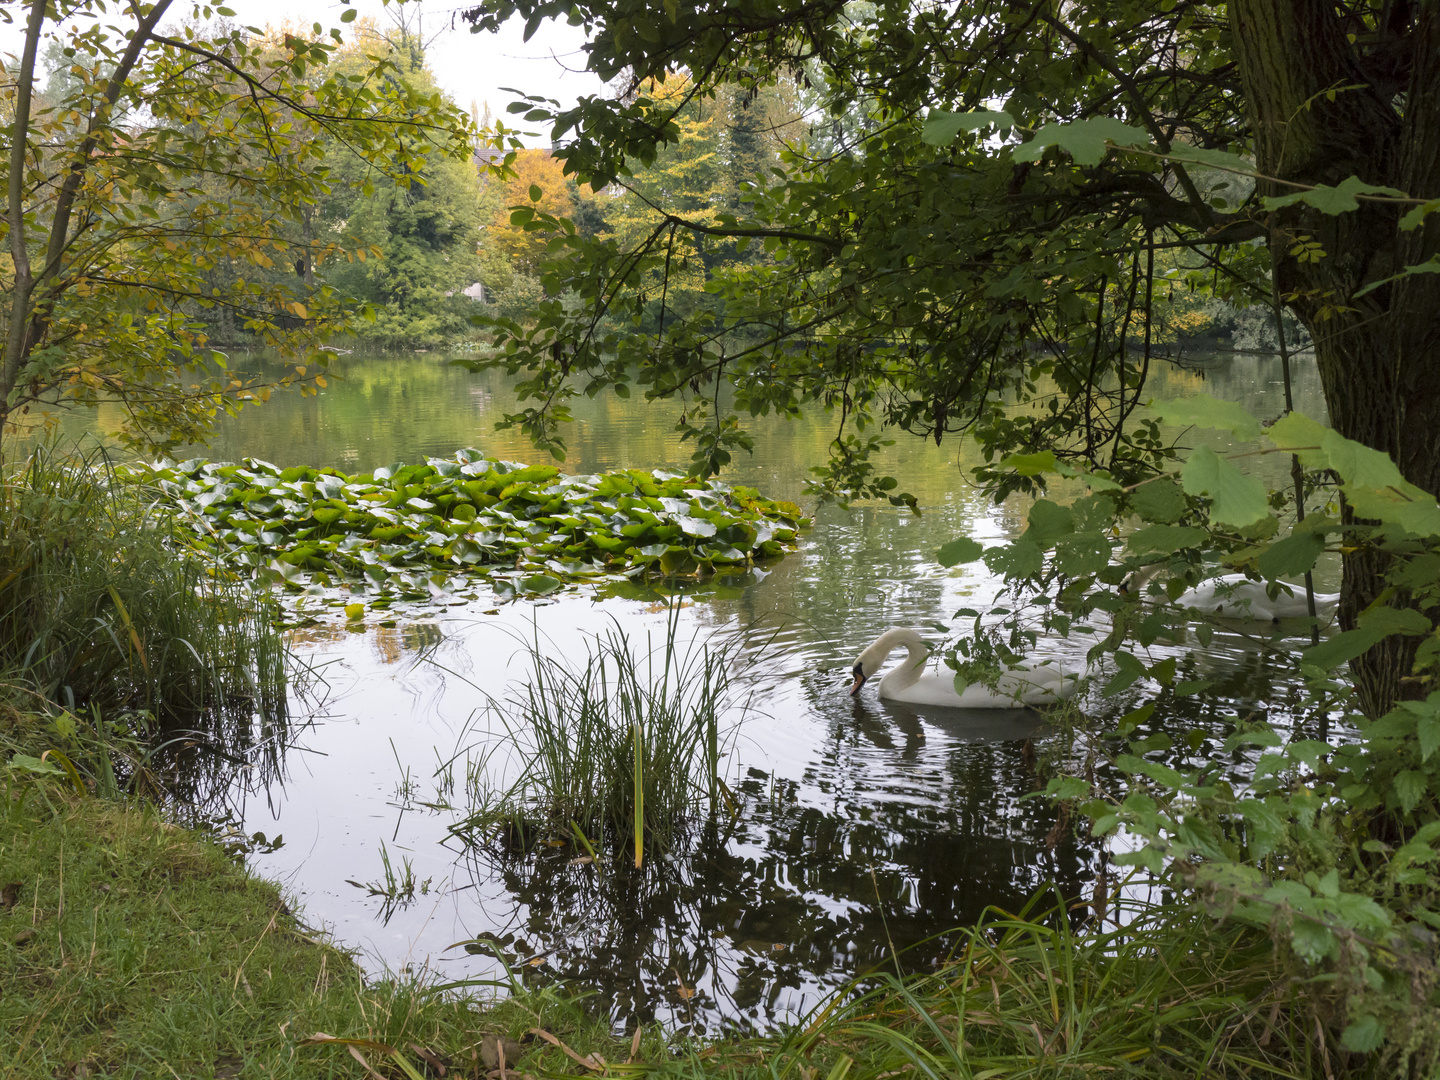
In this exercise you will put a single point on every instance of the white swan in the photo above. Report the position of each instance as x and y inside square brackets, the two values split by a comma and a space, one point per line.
[911, 683]
[1235, 596]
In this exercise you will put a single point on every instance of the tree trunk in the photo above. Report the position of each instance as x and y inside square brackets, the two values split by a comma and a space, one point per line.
[1326, 108]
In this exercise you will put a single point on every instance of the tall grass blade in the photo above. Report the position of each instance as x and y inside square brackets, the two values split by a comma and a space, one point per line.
[639, 825]
[624, 747]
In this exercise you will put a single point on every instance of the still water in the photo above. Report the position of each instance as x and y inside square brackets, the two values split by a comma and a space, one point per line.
[864, 828]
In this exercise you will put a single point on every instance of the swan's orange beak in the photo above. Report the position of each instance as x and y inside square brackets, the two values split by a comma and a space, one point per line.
[859, 680]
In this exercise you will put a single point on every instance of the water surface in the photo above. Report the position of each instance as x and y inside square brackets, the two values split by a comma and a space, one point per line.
[864, 828]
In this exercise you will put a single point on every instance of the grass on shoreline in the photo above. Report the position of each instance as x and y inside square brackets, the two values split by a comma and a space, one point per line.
[132, 948]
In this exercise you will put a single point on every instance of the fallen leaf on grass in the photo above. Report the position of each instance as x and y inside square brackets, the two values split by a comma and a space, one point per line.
[358, 1056]
[353, 1045]
[491, 1047]
[9, 895]
[430, 1058]
[594, 1062]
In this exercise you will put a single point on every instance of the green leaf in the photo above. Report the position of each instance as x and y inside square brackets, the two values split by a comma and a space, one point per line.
[1267, 827]
[1359, 464]
[1204, 411]
[693, 526]
[1291, 556]
[1166, 538]
[348, 15]
[1084, 140]
[1398, 504]
[961, 550]
[38, 766]
[1416, 217]
[1374, 626]
[1082, 553]
[1068, 787]
[1409, 788]
[1216, 159]
[1428, 729]
[941, 126]
[1129, 670]
[1363, 1035]
[1031, 464]
[1236, 499]
[1339, 199]
[1431, 266]
[1019, 559]
[1160, 501]
[1093, 512]
[1048, 521]
[1302, 436]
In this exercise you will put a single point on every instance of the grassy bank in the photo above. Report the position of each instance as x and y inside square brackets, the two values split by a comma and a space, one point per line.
[133, 948]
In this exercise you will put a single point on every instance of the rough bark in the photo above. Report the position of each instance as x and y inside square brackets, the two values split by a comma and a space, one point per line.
[1325, 108]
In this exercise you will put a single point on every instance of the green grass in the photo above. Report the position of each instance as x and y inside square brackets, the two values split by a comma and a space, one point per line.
[100, 609]
[622, 751]
[133, 948]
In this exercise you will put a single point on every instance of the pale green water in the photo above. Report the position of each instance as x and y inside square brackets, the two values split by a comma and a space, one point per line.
[863, 823]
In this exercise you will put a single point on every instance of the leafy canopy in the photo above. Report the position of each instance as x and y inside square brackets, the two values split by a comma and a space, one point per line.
[161, 156]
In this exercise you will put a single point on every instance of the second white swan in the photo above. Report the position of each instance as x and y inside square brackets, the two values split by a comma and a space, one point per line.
[1235, 596]
[910, 682]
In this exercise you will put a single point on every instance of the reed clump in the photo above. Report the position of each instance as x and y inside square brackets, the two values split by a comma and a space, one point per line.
[104, 611]
[621, 751]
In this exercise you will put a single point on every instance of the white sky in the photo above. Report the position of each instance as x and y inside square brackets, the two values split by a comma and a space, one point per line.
[471, 67]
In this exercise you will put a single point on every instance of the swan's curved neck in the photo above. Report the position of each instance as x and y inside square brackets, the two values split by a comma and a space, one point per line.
[908, 673]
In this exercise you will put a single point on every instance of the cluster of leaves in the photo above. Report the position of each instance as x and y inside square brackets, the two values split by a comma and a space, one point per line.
[165, 184]
[421, 223]
[401, 532]
[1334, 846]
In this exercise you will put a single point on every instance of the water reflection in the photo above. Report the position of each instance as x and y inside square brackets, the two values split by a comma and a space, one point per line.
[864, 828]
[810, 883]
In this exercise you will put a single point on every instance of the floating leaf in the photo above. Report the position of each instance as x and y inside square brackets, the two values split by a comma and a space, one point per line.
[395, 527]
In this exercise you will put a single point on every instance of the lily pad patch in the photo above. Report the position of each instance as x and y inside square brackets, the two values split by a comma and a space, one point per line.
[406, 531]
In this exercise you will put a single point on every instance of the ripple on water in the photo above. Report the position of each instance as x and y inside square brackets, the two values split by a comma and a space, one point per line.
[860, 823]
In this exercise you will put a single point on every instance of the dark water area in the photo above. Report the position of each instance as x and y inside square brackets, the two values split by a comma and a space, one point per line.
[862, 827]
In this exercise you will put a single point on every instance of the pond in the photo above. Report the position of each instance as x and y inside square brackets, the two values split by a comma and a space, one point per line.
[863, 831]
